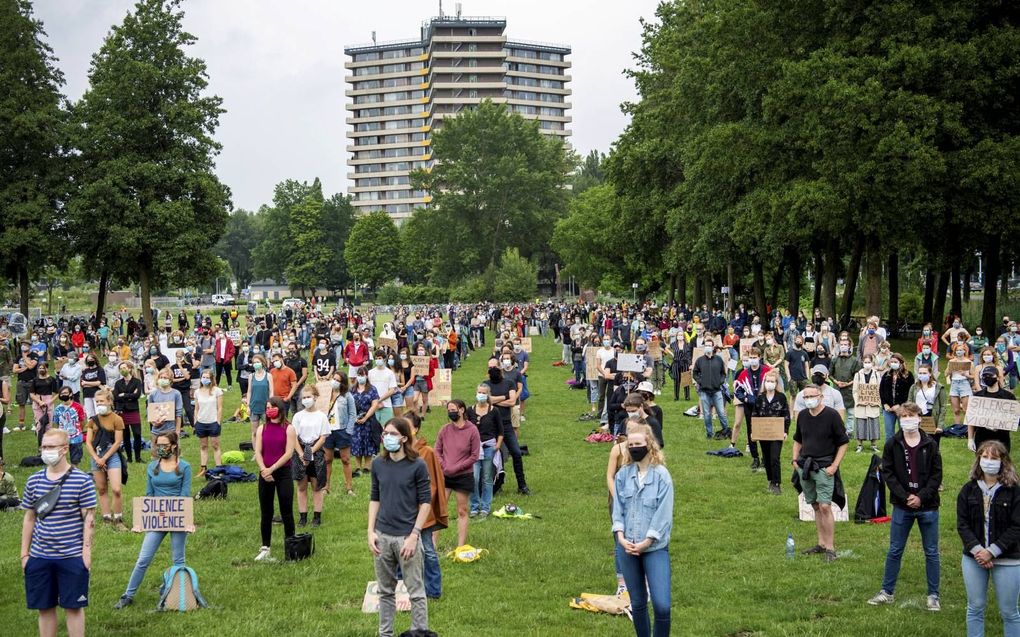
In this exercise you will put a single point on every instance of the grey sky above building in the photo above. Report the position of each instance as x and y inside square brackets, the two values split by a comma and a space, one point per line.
[279, 67]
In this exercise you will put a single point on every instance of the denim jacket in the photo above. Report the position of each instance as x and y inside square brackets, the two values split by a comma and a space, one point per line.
[343, 414]
[644, 510]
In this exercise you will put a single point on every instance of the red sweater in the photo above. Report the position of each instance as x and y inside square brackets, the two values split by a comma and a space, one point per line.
[458, 448]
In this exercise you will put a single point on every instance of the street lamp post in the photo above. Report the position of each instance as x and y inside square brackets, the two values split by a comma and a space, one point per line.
[633, 286]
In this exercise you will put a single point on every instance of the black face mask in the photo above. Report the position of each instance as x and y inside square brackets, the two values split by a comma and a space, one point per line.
[454, 416]
[818, 379]
[638, 453]
[495, 375]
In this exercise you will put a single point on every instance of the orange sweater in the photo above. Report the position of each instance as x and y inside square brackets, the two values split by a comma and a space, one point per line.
[438, 516]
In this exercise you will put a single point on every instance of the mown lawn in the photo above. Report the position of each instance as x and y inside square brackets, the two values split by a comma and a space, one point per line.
[730, 575]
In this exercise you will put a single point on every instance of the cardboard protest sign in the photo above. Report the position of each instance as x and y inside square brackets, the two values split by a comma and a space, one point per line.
[655, 350]
[325, 389]
[958, 367]
[442, 387]
[388, 342]
[685, 379]
[526, 344]
[234, 335]
[867, 395]
[420, 365]
[928, 424]
[807, 514]
[767, 429]
[630, 363]
[731, 365]
[371, 601]
[745, 346]
[162, 514]
[992, 413]
[160, 412]
[533, 331]
[591, 362]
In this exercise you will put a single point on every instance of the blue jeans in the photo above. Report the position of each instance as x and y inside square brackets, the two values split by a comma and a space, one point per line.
[1007, 590]
[430, 565]
[481, 497]
[899, 531]
[890, 419]
[149, 546]
[654, 568]
[709, 400]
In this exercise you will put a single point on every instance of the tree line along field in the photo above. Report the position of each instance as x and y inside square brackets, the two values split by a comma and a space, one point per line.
[730, 575]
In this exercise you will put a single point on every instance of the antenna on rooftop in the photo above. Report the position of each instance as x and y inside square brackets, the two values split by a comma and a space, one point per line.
[440, 8]
[458, 10]
[373, 37]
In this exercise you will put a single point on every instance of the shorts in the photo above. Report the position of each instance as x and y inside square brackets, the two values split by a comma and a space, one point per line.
[21, 393]
[75, 452]
[383, 415]
[315, 469]
[960, 388]
[56, 582]
[818, 487]
[162, 428]
[421, 387]
[338, 439]
[113, 462]
[207, 430]
[463, 483]
[397, 399]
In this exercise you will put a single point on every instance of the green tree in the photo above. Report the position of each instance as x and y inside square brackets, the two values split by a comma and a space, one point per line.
[418, 249]
[589, 173]
[337, 222]
[498, 183]
[237, 243]
[33, 172]
[583, 237]
[144, 130]
[273, 254]
[372, 251]
[515, 279]
[310, 259]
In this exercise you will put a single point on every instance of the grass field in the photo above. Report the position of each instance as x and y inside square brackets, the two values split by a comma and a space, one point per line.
[730, 575]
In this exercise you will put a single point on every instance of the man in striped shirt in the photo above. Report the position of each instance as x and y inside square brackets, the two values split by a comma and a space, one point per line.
[56, 552]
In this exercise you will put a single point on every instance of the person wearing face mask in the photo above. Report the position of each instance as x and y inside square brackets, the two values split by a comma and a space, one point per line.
[820, 357]
[951, 335]
[928, 358]
[930, 397]
[490, 431]
[796, 365]
[635, 409]
[423, 384]
[365, 444]
[988, 522]
[912, 468]
[679, 351]
[385, 382]
[893, 389]
[208, 416]
[323, 361]
[260, 390]
[299, 366]
[342, 413]
[819, 445]
[842, 372]
[457, 446]
[866, 415]
[642, 524]
[69, 416]
[92, 379]
[960, 381]
[112, 370]
[709, 374]
[871, 339]
[224, 357]
[275, 443]
[605, 355]
[104, 442]
[522, 362]
[284, 381]
[56, 550]
[355, 354]
[184, 371]
[928, 337]
[166, 476]
[43, 391]
[398, 510]
[1007, 359]
[978, 341]
[309, 463]
[126, 392]
[404, 372]
[977, 436]
[746, 389]
[165, 393]
[503, 396]
[508, 365]
[988, 361]
[771, 402]
[243, 363]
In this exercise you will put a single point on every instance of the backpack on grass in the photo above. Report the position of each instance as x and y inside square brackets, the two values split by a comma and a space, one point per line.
[216, 488]
[180, 590]
[299, 547]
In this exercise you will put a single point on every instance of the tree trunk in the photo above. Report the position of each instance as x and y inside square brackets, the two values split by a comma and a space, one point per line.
[709, 292]
[729, 288]
[681, 288]
[104, 282]
[143, 290]
[873, 272]
[819, 269]
[671, 296]
[968, 274]
[758, 285]
[793, 300]
[1004, 281]
[22, 288]
[853, 273]
[992, 265]
[832, 259]
[893, 274]
[777, 280]
[698, 289]
[955, 298]
[939, 305]
[929, 295]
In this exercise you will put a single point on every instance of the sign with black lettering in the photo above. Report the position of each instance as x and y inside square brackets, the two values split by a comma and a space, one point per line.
[163, 514]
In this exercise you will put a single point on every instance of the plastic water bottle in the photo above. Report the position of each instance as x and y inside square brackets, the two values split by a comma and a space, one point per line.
[790, 547]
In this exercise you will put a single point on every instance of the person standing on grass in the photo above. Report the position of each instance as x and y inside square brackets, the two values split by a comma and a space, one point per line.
[275, 442]
[709, 375]
[912, 467]
[167, 476]
[503, 396]
[397, 511]
[126, 392]
[104, 439]
[438, 518]
[988, 521]
[312, 428]
[342, 413]
[56, 550]
[772, 403]
[819, 445]
[284, 381]
[893, 389]
[208, 419]
[365, 443]
[490, 431]
[977, 436]
[642, 523]
[260, 390]
[384, 381]
[458, 446]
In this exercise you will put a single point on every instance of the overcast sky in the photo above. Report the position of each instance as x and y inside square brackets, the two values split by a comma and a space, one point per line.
[278, 65]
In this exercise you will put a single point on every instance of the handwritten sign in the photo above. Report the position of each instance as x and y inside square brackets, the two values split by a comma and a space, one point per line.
[526, 344]
[163, 514]
[655, 350]
[630, 363]
[157, 413]
[928, 425]
[420, 365]
[591, 362]
[867, 395]
[442, 387]
[992, 413]
[745, 346]
[767, 429]
[325, 389]
[386, 342]
[370, 604]
[685, 379]
[234, 335]
[958, 367]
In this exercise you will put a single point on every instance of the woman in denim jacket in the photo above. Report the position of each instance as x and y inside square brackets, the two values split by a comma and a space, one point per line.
[642, 522]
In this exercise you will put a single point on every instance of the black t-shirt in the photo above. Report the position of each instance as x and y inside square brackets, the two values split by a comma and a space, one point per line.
[822, 435]
[161, 361]
[92, 374]
[490, 425]
[297, 364]
[179, 382]
[45, 386]
[502, 388]
[324, 363]
[797, 358]
[982, 435]
[29, 374]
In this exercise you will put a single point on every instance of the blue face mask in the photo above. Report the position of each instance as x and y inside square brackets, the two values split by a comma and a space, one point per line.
[391, 443]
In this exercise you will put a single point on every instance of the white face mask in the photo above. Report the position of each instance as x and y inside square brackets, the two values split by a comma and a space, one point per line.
[379, 362]
[277, 364]
[770, 385]
[987, 358]
[50, 457]
[868, 366]
[102, 410]
[894, 365]
[910, 424]
[307, 401]
[988, 466]
[810, 403]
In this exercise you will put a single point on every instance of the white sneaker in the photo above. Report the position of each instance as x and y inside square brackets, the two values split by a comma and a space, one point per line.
[6, 431]
[882, 598]
[263, 554]
[858, 448]
[658, 392]
[523, 419]
[933, 603]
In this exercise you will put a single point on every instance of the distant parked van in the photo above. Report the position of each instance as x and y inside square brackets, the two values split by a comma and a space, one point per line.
[222, 299]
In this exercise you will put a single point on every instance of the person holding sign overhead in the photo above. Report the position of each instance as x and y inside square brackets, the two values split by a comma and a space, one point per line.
[168, 476]
[977, 436]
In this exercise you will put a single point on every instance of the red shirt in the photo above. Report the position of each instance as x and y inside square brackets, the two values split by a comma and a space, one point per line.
[356, 353]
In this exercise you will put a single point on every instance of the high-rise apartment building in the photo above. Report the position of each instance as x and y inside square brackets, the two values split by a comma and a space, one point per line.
[401, 91]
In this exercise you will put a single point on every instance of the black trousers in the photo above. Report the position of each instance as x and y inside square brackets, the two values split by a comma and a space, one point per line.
[243, 384]
[282, 489]
[133, 440]
[676, 390]
[747, 429]
[224, 367]
[771, 452]
[510, 440]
